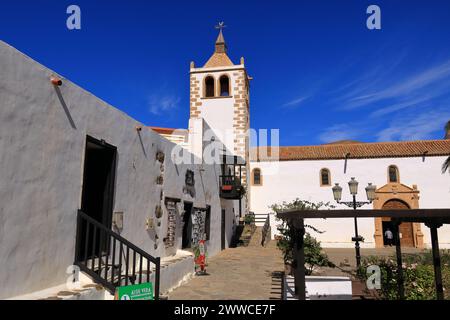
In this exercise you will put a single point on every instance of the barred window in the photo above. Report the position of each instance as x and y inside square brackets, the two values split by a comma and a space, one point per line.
[325, 179]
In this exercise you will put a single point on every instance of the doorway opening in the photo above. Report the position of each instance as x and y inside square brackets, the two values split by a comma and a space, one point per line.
[208, 223]
[187, 226]
[98, 193]
[388, 225]
[406, 232]
[223, 224]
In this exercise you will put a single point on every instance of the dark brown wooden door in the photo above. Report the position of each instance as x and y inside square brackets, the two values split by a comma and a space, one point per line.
[406, 228]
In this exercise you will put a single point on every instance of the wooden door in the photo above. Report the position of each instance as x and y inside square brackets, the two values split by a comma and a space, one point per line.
[405, 228]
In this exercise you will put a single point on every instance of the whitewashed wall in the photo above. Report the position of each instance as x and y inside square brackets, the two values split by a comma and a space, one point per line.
[287, 180]
[41, 165]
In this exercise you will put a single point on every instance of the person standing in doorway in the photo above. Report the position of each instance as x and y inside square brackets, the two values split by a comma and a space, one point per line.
[389, 236]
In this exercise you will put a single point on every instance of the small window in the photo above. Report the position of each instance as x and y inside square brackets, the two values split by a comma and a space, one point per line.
[209, 87]
[393, 174]
[257, 177]
[325, 179]
[224, 86]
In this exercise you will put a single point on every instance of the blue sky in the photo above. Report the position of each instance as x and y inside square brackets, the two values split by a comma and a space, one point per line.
[319, 74]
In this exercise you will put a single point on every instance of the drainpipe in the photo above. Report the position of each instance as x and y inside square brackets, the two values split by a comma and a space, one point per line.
[345, 164]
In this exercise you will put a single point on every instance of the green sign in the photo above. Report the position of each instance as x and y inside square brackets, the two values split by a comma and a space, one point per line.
[143, 291]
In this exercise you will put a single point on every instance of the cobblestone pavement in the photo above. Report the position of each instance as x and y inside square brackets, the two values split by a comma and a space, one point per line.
[251, 272]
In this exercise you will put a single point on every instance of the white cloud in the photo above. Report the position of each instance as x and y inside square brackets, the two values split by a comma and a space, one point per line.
[159, 104]
[295, 102]
[416, 127]
[404, 88]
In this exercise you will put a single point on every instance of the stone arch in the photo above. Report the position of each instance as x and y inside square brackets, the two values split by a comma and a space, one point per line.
[395, 204]
[397, 196]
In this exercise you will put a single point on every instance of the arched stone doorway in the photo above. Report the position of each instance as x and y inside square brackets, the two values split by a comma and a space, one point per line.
[396, 196]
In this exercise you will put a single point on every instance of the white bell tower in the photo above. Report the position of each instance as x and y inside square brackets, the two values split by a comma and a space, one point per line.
[219, 93]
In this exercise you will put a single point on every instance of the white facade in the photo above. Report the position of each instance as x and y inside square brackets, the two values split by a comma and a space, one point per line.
[288, 180]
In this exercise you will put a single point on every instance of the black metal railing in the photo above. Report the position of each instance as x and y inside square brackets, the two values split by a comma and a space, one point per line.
[230, 180]
[265, 231]
[112, 260]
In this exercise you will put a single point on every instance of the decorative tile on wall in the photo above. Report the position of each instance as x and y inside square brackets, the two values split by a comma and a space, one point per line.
[171, 223]
[198, 226]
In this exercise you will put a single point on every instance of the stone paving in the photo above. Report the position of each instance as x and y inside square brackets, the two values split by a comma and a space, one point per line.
[254, 272]
[251, 272]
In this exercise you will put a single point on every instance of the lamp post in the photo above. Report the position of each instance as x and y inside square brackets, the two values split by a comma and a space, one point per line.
[353, 186]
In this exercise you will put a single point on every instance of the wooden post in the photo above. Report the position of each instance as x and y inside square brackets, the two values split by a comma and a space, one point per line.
[299, 259]
[436, 260]
[398, 251]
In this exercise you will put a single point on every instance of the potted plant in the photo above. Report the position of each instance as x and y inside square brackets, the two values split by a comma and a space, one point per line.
[249, 219]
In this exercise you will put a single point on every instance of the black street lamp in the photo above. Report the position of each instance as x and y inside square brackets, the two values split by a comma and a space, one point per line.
[353, 186]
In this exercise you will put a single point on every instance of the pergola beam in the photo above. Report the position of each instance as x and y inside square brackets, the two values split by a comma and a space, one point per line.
[297, 234]
[436, 261]
[433, 218]
[411, 214]
[398, 252]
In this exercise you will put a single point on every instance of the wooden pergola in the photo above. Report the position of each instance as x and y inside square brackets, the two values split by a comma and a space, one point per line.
[432, 218]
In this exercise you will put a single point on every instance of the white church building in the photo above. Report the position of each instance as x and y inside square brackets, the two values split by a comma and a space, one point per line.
[407, 175]
[85, 185]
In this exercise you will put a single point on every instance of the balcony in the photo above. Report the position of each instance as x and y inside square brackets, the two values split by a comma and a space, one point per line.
[231, 187]
[230, 182]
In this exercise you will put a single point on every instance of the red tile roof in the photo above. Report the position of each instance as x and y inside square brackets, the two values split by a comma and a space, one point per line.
[357, 150]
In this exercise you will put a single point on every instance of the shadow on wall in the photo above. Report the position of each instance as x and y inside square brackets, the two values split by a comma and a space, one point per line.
[66, 109]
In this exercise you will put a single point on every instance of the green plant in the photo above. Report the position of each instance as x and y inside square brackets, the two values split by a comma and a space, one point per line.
[249, 219]
[418, 274]
[314, 257]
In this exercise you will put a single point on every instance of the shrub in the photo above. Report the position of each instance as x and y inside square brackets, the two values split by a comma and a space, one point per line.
[418, 275]
[314, 257]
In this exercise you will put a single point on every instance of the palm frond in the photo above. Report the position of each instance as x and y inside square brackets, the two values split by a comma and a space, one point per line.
[446, 165]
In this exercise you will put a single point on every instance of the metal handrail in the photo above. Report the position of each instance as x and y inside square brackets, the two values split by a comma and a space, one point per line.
[103, 250]
[265, 229]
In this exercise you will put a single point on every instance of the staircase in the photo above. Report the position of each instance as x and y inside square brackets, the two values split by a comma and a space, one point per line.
[260, 219]
[110, 259]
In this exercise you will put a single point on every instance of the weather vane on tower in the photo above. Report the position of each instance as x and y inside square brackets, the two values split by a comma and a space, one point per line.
[221, 25]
